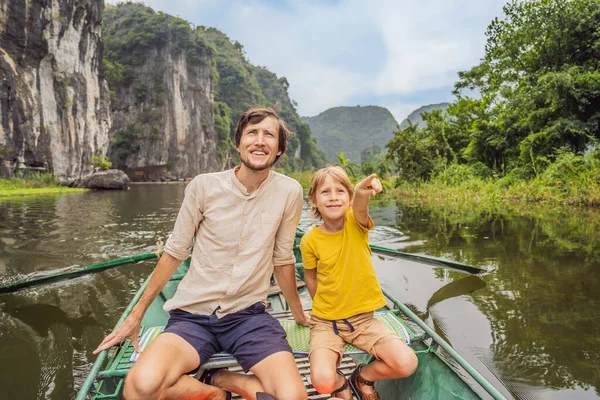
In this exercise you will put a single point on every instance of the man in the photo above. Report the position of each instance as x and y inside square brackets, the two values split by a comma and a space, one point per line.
[244, 221]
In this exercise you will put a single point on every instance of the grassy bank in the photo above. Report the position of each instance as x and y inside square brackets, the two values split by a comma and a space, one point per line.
[560, 185]
[33, 184]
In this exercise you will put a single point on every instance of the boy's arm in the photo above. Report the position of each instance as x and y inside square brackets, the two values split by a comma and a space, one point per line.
[310, 278]
[363, 191]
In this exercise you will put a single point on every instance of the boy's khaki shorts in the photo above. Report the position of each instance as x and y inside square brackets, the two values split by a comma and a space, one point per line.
[367, 332]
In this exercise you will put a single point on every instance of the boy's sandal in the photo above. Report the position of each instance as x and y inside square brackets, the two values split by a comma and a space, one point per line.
[341, 388]
[355, 379]
[208, 375]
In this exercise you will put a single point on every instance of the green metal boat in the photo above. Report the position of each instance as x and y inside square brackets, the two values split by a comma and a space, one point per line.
[442, 372]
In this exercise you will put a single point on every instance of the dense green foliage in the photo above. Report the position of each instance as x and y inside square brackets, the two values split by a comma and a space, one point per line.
[133, 31]
[536, 104]
[100, 162]
[569, 180]
[351, 130]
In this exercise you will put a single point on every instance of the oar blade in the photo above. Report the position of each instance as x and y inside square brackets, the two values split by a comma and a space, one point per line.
[15, 287]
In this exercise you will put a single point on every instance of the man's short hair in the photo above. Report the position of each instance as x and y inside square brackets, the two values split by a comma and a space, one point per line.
[338, 174]
[255, 116]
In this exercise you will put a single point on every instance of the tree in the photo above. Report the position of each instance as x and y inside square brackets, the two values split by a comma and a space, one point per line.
[408, 153]
[540, 82]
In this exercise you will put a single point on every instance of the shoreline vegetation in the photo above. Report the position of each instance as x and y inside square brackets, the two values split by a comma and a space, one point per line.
[523, 127]
[457, 184]
[34, 184]
[569, 182]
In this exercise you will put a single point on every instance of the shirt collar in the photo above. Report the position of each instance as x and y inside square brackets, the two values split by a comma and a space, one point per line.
[242, 189]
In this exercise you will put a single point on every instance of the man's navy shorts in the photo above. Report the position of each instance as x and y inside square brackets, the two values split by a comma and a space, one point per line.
[250, 335]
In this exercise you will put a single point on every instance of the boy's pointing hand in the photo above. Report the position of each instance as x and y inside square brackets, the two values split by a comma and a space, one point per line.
[369, 186]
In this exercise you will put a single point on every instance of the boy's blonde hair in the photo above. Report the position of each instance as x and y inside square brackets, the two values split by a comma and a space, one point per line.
[338, 174]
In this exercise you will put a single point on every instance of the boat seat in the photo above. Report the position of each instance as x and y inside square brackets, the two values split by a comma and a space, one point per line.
[297, 335]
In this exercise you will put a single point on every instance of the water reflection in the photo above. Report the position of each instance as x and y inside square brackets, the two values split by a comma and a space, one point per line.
[542, 297]
[531, 322]
[47, 332]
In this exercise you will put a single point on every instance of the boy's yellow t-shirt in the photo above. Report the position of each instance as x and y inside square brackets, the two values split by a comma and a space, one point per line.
[347, 283]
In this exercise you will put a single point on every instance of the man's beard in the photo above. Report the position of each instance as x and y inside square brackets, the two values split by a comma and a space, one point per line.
[255, 167]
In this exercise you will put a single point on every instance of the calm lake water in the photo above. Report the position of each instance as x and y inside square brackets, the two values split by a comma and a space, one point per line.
[531, 322]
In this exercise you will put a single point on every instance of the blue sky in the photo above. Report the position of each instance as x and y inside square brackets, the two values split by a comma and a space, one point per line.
[396, 54]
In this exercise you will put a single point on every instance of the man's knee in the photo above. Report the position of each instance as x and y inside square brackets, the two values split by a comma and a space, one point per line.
[143, 383]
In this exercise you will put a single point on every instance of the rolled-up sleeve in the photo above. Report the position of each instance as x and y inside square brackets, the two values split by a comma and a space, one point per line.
[283, 251]
[179, 243]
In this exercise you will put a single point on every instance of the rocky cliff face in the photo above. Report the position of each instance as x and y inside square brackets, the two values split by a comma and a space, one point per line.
[54, 108]
[163, 123]
[162, 96]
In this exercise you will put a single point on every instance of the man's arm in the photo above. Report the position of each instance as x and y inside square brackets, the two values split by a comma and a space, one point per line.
[286, 278]
[130, 328]
[310, 278]
[363, 191]
[178, 247]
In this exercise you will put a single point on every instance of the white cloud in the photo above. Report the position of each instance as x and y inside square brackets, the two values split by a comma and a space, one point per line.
[430, 41]
[323, 87]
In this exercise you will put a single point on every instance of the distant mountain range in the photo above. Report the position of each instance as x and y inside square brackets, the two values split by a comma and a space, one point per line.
[416, 118]
[353, 129]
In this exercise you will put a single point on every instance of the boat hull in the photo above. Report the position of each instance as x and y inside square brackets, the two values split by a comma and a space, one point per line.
[437, 376]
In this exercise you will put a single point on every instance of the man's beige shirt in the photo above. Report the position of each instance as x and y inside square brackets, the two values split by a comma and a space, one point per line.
[240, 237]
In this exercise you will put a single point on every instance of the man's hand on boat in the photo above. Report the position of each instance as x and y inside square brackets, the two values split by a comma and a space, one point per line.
[129, 329]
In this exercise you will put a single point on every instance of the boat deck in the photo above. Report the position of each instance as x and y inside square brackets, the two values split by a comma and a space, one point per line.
[439, 375]
[122, 361]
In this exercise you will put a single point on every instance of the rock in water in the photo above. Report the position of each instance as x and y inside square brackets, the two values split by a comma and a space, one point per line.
[113, 179]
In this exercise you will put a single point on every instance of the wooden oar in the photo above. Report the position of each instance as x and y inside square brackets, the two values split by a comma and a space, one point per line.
[13, 287]
[419, 257]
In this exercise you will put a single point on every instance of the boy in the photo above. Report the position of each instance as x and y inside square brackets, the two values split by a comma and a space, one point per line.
[341, 280]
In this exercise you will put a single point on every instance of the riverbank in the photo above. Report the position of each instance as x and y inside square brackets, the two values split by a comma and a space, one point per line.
[491, 193]
[459, 185]
[33, 184]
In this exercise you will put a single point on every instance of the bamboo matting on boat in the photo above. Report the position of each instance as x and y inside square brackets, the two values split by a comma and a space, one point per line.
[297, 335]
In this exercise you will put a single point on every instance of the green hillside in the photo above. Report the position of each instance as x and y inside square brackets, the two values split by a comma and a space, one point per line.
[351, 130]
